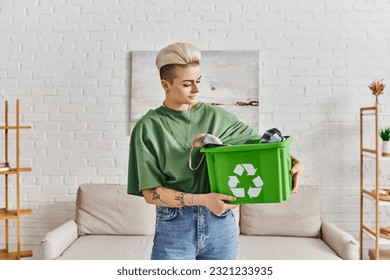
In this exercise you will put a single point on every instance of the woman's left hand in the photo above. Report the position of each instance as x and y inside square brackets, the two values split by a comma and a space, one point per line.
[296, 171]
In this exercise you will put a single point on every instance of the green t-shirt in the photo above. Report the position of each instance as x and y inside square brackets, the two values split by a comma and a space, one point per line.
[161, 142]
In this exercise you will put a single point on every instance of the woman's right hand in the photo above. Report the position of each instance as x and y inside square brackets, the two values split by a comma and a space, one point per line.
[215, 202]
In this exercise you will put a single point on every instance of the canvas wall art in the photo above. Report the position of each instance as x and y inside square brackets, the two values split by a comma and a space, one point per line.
[230, 79]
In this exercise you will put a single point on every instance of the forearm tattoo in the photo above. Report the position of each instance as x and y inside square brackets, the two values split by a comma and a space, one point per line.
[155, 195]
[179, 197]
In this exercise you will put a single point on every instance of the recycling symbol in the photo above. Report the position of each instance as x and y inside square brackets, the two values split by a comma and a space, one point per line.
[250, 171]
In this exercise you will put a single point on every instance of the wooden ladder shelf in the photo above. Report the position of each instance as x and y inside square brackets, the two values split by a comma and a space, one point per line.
[7, 214]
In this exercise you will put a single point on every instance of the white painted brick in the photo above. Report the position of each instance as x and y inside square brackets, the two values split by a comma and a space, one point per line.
[244, 16]
[114, 82]
[70, 91]
[60, 27]
[101, 145]
[115, 180]
[83, 172]
[221, 5]
[18, 73]
[213, 16]
[118, 73]
[116, 117]
[90, 117]
[66, 9]
[13, 10]
[91, 27]
[28, 82]
[58, 153]
[87, 136]
[93, 9]
[279, 63]
[60, 136]
[110, 171]
[116, 27]
[314, 117]
[127, 18]
[72, 108]
[73, 145]
[113, 63]
[290, 108]
[81, 163]
[120, 109]
[101, 163]
[71, 126]
[103, 36]
[51, 18]
[109, 46]
[54, 171]
[100, 109]
[100, 126]
[13, 28]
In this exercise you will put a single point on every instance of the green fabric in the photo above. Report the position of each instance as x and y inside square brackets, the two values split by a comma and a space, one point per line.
[161, 142]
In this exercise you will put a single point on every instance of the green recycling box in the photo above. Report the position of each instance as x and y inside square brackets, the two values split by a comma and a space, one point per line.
[253, 173]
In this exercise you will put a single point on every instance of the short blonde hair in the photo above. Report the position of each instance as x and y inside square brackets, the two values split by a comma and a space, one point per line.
[176, 54]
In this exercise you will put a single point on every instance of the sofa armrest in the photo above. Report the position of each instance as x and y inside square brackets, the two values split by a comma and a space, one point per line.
[56, 241]
[343, 243]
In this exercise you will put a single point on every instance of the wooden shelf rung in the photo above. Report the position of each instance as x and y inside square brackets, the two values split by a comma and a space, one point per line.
[14, 170]
[15, 127]
[367, 229]
[13, 214]
[14, 255]
[383, 254]
[369, 193]
[371, 108]
[370, 151]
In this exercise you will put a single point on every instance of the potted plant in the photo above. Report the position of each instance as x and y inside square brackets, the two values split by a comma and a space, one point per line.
[385, 136]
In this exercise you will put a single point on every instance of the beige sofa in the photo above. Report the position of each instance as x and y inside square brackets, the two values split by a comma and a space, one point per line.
[111, 224]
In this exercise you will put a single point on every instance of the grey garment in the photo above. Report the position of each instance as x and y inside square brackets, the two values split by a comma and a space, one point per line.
[272, 135]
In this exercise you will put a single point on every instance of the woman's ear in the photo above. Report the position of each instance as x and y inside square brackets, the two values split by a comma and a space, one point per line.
[165, 85]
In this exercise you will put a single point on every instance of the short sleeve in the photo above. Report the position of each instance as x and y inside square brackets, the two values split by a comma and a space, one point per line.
[143, 168]
[236, 132]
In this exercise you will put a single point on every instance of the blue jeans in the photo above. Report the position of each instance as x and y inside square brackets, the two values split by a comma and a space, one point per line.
[194, 232]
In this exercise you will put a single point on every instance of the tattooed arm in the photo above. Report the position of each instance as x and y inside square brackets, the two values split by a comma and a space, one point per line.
[162, 196]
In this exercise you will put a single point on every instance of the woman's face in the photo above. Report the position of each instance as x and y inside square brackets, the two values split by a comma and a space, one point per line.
[182, 93]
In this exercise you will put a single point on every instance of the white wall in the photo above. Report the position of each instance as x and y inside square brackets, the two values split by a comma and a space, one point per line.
[67, 61]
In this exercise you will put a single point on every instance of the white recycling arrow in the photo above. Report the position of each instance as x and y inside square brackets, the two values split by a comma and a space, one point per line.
[238, 192]
[254, 192]
[233, 181]
[239, 169]
[258, 182]
[249, 168]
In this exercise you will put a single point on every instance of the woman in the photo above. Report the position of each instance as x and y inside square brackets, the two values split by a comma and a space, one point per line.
[192, 223]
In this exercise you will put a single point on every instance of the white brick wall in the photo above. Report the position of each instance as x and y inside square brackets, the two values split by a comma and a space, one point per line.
[68, 63]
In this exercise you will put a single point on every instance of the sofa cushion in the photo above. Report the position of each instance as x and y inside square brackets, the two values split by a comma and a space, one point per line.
[300, 215]
[284, 248]
[108, 209]
[109, 247]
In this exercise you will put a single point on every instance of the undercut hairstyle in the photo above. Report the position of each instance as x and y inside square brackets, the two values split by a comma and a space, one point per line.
[176, 54]
[167, 72]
